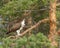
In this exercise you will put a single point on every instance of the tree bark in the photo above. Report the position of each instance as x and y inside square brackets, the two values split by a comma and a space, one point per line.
[52, 17]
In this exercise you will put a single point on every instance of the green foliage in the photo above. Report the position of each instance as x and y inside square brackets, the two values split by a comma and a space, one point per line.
[14, 7]
[33, 41]
[52, 1]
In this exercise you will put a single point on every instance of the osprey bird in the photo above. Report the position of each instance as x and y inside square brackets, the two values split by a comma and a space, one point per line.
[17, 27]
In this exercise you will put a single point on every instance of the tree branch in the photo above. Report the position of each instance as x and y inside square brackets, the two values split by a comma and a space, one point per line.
[34, 26]
[58, 4]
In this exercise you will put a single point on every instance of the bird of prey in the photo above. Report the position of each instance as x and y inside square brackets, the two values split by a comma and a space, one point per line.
[17, 27]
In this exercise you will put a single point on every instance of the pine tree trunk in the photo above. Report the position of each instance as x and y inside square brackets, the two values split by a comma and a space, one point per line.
[52, 16]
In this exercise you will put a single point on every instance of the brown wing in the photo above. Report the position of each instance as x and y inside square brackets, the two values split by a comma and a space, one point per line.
[13, 28]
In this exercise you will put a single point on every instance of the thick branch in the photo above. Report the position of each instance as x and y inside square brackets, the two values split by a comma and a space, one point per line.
[58, 4]
[34, 26]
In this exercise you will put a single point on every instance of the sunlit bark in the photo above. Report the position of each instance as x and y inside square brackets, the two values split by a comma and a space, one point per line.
[52, 16]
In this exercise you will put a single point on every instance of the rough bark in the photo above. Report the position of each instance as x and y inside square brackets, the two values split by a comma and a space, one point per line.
[52, 16]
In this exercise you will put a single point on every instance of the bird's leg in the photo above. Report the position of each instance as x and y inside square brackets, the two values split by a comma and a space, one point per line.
[18, 31]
